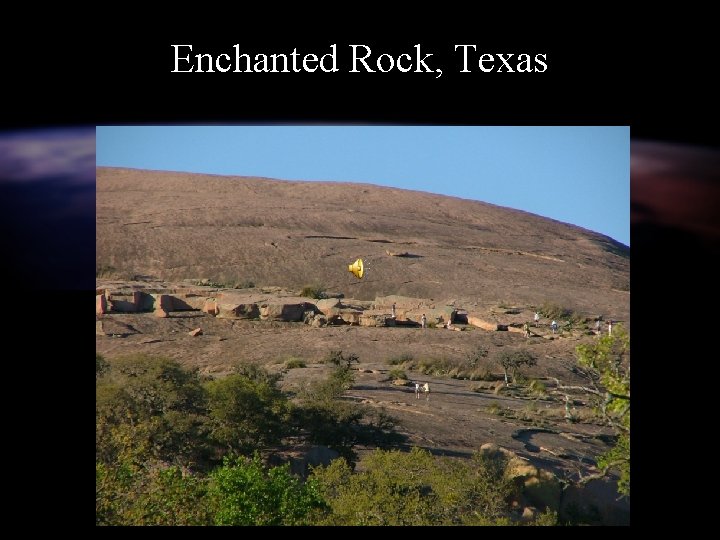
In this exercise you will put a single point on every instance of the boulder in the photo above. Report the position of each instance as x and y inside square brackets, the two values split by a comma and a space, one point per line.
[540, 488]
[327, 305]
[163, 302]
[319, 321]
[210, 306]
[238, 306]
[287, 312]
[315, 456]
[101, 306]
[490, 326]
[350, 316]
[375, 319]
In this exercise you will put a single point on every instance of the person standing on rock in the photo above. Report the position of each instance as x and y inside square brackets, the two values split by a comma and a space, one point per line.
[610, 324]
[427, 391]
[417, 390]
[537, 318]
[423, 321]
[554, 326]
[597, 326]
[393, 310]
[526, 327]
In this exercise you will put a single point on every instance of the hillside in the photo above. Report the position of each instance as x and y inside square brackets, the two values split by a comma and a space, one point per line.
[231, 230]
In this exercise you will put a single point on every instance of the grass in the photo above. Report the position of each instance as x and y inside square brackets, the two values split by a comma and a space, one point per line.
[293, 363]
[537, 388]
[313, 291]
[400, 360]
[494, 408]
[397, 374]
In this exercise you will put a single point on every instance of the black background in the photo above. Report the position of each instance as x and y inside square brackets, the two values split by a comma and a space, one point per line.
[601, 71]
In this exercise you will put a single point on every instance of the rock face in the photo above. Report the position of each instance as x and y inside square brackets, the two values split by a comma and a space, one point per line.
[100, 304]
[595, 502]
[111, 327]
[540, 488]
[316, 455]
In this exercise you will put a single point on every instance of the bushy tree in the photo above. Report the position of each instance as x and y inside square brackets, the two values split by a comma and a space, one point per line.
[605, 365]
[247, 410]
[511, 361]
[415, 488]
[134, 495]
[323, 417]
[243, 492]
[150, 408]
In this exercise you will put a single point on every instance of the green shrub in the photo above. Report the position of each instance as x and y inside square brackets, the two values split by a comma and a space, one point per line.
[537, 388]
[337, 358]
[313, 291]
[415, 488]
[401, 359]
[397, 374]
[246, 493]
[295, 363]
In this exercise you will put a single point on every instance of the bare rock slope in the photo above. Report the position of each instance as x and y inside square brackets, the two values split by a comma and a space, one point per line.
[243, 230]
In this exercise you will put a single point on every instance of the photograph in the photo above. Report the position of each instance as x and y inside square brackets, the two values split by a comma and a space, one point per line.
[363, 324]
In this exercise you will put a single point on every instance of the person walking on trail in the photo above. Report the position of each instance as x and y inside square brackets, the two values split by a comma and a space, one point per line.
[526, 327]
[597, 327]
[537, 318]
[610, 325]
[423, 321]
[417, 390]
[554, 326]
[393, 310]
[426, 387]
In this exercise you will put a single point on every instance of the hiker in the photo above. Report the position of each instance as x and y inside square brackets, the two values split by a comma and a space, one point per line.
[393, 310]
[554, 326]
[537, 318]
[597, 326]
[610, 323]
[423, 321]
[426, 387]
[417, 390]
[526, 327]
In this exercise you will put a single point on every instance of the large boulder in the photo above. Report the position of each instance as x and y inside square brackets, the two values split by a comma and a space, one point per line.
[317, 455]
[540, 488]
[375, 319]
[122, 303]
[282, 311]
[101, 306]
[210, 306]
[188, 301]
[490, 326]
[328, 305]
[163, 302]
[238, 306]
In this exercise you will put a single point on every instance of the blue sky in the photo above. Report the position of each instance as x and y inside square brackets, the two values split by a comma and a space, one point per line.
[579, 175]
